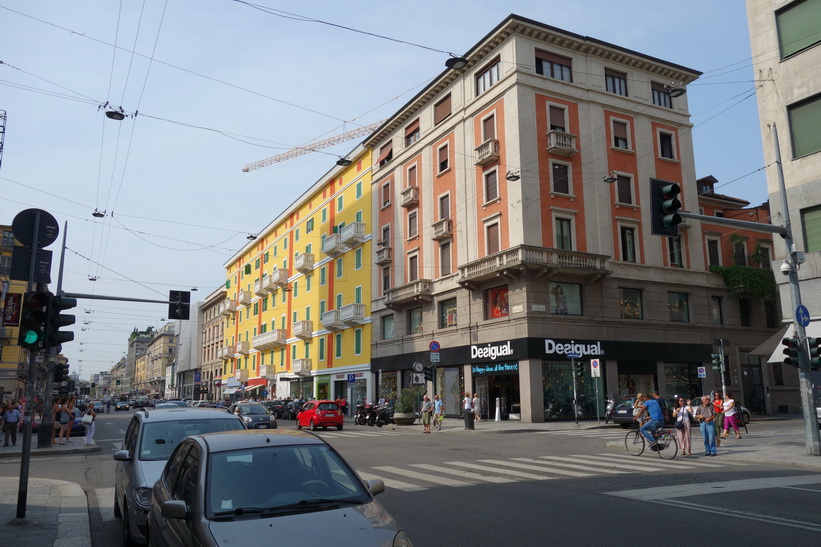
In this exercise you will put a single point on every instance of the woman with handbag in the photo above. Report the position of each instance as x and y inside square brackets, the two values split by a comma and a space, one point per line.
[88, 421]
[682, 414]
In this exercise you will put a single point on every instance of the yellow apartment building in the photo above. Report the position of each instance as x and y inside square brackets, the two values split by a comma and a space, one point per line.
[12, 357]
[297, 302]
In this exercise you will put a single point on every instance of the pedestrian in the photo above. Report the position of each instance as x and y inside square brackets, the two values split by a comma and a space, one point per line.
[425, 411]
[55, 419]
[477, 408]
[638, 406]
[90, 426]
[718, 422]
[11, 415]
[107, 407]
[72, 402]
[682, 413]
[64, 418]
[438, 412]
[730, 416]
[344, 406]
[706, 415]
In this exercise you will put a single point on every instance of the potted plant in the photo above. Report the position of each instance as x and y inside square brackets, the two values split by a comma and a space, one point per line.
[403, 411]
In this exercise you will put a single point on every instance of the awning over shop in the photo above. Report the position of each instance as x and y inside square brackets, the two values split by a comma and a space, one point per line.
[230, 391]
[812, 330]
[772, 343]
[251, 389]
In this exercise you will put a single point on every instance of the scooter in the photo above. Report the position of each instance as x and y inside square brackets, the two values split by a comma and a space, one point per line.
[384, 416]
[610, 408]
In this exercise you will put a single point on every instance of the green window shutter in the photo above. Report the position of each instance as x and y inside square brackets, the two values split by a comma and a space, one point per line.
[338, 345]
[227, 283]
[247, 269]
[308, 283]
[358, 259]
[357, 341]
[322, 349]
[811, 221]
[358, 295]
[799, 26]
[805, 126]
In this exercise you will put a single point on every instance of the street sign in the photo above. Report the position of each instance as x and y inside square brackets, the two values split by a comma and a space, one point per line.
[573, 355]
[595, 368]
[351, 378]
[702, 372]
[264, 392]
[21, 262]
[434, 346]
[434, 357]
[23, 228]
[802, 315]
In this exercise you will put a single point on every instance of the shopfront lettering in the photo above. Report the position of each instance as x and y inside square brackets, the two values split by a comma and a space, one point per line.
[495, 368]
[553, 347]
[491, 352]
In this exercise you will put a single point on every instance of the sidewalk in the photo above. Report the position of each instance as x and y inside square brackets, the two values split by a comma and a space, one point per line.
[56, 511]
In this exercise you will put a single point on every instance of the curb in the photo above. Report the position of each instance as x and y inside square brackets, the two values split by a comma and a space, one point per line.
[50, 451]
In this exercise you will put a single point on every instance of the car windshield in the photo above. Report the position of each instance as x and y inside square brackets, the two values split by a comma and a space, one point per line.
[626, 403]
[159, 439]
[279, 480]
[253, 409]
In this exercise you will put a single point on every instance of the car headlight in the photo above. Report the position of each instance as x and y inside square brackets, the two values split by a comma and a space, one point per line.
[272, 418]
[142, 496]
[401, 540]
[247, 419]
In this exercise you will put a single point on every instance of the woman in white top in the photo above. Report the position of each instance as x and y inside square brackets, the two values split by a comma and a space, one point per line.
[730, 416]
[682, 414]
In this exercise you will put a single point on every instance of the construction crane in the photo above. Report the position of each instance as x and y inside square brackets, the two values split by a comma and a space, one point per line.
[312, 147]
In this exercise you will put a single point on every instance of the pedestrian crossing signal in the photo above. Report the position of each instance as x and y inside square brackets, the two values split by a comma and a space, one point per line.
[791, 351]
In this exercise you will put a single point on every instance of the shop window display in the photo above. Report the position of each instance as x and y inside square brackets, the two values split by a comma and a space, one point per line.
[565, 298]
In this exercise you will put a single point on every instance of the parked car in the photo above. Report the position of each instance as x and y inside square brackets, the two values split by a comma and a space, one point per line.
[255, 415]
[98, 406]
[260, 488]
[149, 440]
[277, 406]
[171, 404]
[623, 413]
[315, 414]
[121, 405]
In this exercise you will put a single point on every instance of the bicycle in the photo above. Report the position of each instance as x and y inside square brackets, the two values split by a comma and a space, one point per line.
[666, 444]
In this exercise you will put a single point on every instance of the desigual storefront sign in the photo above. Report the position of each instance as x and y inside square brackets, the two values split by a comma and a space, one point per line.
[495, 369]
[551, 347]
[491, 351]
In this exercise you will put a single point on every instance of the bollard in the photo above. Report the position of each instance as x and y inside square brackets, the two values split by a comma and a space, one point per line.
[469, 420]
[498, 410]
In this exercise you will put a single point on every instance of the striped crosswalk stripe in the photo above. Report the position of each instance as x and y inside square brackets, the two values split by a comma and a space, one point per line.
[105, 499]
[462, 473]
[427, 477]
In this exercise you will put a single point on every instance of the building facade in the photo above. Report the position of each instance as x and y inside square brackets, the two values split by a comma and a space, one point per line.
[212, 347]
[13, 363]
[512, 214]
[297, 297]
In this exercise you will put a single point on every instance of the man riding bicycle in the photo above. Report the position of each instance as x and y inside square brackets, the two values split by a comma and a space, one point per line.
[651, 406]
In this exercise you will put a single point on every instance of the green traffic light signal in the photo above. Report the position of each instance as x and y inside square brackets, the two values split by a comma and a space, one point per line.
[33, 319]
[716, 361]
[664, 207]
[815, 352]
[791, 351]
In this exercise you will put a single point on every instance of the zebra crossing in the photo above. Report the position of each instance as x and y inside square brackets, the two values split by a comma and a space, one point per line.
[334, 434]
[424, 476]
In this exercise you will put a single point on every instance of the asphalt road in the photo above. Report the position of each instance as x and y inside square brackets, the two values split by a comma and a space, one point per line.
[557, 487]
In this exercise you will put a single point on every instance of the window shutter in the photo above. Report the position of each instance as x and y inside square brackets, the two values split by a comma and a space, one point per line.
[805, 126]
[811, 218]
[412, 128]
[799, 26]
[441, 110]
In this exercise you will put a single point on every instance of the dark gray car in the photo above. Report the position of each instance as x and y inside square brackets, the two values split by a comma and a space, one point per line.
[255, 415]
[266, 488]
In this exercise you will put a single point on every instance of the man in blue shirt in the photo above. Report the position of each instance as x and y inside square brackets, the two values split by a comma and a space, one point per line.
[11, 415]
[653, 409]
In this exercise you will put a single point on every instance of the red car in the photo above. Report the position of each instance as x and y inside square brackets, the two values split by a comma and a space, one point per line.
[315, 414]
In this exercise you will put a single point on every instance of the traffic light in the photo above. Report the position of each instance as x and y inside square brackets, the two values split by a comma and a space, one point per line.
[33, 319]
[815, 352]
[429, 373]
[664, 206]
[55, 320]
[179, 304]
[791, 351]
[60, 373]
[716, 361]
[578, 370]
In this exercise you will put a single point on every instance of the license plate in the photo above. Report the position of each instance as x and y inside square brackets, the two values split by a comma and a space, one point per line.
[330, 414]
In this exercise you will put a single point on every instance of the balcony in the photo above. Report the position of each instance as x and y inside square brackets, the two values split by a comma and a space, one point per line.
[421, 289]
[301, 367]
[304, 263]
[243, 347]
[241, 374]
[332, 245]
[330, 320]
[539, 262]
[352, 314]
[303, 329]
[228, 307]
[443, 229]
[409, 197]
[269, 340]
[561, 143]
[244, 298]
[279, 278]
[487, 152]
[383, 255]
[225, 352]
[353, 234]
[263, 286]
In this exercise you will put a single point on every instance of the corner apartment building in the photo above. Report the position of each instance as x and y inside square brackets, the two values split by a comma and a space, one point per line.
[296, 308]
[786, 47]
[213, 345]
[512, 218]
[12, 357]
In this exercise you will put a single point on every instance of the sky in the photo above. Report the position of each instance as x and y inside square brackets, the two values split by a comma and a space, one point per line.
[218, 84]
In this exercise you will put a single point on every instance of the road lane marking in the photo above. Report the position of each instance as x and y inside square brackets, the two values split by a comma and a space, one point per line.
[462, 473]
[392, 483]
[741, 485]
[511, 472]
[557, 460]
[648, 464]
[423, 476]
[541, 468]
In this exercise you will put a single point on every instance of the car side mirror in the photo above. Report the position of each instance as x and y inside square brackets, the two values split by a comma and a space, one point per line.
[122, 456]
[376, 487]
[174, 509]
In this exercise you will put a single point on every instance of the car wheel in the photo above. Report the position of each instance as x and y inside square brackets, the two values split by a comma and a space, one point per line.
[298, 425]
[313, 426]
[128, 541]
[339, 427]
[117, 513]
[745, 416]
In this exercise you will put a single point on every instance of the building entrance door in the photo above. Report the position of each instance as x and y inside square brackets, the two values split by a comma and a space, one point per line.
[753, 386]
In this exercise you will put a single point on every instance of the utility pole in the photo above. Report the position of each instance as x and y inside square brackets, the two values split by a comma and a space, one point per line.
[812, 436]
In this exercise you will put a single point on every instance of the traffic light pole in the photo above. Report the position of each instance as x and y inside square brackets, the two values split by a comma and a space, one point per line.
[813, 439]
[575, 394]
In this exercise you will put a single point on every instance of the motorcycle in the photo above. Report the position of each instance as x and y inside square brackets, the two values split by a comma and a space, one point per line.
[609, 409]
[384, 416]
[365, 415]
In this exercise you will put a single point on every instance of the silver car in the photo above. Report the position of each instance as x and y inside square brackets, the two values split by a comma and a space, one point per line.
[255, 415]
[266, 488]
[151, 437]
